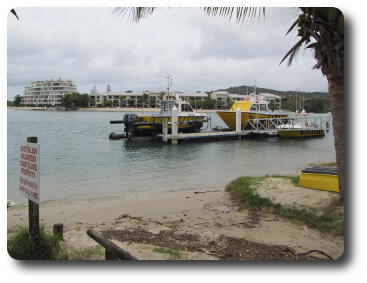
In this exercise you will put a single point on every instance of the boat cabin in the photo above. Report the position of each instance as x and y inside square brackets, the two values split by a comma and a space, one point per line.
[247, 105]
[169, 101]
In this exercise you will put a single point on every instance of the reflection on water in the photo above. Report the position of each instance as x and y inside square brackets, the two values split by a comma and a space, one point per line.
[78, 160]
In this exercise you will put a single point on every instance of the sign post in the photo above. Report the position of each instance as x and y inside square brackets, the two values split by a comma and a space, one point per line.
[29, 181]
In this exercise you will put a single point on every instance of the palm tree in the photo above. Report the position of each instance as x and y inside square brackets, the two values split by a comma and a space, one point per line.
[322, 30]
[319, 29]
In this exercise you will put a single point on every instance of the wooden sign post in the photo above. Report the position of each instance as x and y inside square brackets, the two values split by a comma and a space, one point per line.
[29, 181]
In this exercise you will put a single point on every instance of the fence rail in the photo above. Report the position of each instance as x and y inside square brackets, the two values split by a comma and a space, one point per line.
[112, 251]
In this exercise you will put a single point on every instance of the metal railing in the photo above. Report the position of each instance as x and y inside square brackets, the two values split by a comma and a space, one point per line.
[315, 122]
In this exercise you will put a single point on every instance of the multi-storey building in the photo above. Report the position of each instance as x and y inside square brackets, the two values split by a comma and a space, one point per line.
[50, 92]
[152, 99]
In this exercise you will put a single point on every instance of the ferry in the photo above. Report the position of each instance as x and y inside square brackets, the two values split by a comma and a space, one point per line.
[255, 107]
[152, 125]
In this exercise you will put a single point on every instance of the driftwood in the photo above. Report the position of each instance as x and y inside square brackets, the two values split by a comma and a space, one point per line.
[206, 192]
[113, 252]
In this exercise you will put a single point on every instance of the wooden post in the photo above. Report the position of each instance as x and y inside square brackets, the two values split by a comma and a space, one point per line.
[33, 208]
[165, 129]
[58, 230]
[238, 120]
[174, 129]
[113, 252]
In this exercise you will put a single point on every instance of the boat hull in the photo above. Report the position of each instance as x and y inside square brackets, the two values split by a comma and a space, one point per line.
[300, 133]
[320, 178]
[229, 117]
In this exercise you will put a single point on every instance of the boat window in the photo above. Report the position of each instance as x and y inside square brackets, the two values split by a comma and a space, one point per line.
[254, 107]
[263, 107]
[186, 108]
[167, 106]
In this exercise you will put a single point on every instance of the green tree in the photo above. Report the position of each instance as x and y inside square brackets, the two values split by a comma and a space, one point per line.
[75, 100]
[17, 100]
[319, 29]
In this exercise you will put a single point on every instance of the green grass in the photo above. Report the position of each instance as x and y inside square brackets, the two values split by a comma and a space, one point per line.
[173, 253]
[42, 247]
[328, 219]
[87, 253]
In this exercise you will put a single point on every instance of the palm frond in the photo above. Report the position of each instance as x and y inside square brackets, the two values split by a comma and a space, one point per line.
[242, 15]
[14, 13]
[134, 13]
[293, 51]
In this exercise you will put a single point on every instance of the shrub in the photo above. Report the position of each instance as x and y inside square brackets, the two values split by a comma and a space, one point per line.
[43, 246]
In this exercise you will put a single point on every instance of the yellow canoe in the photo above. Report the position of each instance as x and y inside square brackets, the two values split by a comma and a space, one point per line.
[320, 178]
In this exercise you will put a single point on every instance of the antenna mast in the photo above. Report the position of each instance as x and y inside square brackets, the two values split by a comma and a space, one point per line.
[169, 83]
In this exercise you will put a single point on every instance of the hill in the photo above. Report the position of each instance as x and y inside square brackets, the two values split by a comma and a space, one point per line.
[317, 102]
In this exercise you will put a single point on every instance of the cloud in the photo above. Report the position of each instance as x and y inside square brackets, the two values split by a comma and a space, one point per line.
[93, 46]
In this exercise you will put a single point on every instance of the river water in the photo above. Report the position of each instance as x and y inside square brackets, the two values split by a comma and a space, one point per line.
[78, 161]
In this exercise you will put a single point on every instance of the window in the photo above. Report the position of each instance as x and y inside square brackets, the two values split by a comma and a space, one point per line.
[263, 107]
[254, 107]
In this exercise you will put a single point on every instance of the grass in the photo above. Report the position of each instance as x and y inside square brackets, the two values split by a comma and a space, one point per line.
[328, 219]
[42, 247]
[173, 253]
[87, 253]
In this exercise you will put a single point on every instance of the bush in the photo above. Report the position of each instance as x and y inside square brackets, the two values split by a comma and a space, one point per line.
[44, 246]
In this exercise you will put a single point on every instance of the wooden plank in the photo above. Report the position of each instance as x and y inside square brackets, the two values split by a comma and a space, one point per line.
[112, 250]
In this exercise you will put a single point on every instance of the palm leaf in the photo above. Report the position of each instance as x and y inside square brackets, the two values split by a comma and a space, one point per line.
[240, 14]
[293, 51]
[14, 13]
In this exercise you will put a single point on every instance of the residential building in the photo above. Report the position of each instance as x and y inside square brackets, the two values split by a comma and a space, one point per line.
[49, 92]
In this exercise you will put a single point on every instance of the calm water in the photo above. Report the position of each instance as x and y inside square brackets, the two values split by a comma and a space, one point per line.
[79, 161]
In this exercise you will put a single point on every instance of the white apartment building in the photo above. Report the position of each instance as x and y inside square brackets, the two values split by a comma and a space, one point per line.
[50, 92]
[152, 99]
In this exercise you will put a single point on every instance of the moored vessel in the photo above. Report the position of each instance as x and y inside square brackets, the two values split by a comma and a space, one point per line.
[253, 108]
[152, 125]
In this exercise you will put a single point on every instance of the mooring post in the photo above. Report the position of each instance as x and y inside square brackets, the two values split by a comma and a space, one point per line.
[33, 208]
[174, 131]
[58, 230]
[165, 130]
[238, 120]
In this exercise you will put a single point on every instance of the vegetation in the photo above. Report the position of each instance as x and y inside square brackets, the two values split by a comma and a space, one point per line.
[44, 246]
[327, 219]
[75, 100]
[173, 253]
[17, 100]
[90, 253]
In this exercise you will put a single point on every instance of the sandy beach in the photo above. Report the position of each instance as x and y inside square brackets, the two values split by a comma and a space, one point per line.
[206, 213]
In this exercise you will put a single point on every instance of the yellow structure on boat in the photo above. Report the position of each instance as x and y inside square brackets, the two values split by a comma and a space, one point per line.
[320, 178]
[250, 109]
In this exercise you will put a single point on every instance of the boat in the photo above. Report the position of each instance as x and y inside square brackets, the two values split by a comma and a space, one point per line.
[320, 178]
[300, 127]
[253, 108]
[152, 125]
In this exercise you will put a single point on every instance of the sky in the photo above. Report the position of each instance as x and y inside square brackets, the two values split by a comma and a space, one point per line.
[94, 46]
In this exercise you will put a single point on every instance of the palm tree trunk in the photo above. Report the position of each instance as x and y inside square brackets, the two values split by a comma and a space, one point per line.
[336, 93]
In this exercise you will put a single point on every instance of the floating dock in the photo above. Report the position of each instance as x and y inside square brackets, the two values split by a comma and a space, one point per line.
[206, 136]
[291, 127]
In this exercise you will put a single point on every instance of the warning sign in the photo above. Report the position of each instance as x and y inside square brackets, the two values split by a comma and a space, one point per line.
[29, 164]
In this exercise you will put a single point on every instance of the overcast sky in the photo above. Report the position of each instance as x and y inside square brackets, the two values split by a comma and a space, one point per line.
[93, 46]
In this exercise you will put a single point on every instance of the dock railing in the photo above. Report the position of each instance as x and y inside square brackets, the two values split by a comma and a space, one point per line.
[317, 122]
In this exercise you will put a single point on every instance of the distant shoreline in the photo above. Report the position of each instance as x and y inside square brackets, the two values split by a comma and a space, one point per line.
[105, 109]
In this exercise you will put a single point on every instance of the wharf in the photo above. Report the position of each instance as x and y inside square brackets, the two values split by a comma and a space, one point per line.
[216, 135]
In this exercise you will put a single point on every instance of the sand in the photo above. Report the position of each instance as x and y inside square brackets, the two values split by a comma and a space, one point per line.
[208, 213]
